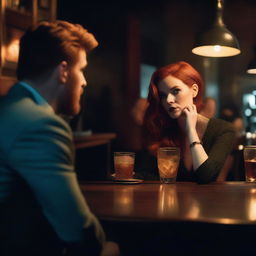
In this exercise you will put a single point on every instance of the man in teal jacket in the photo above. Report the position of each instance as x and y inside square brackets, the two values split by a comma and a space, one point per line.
[43, 211]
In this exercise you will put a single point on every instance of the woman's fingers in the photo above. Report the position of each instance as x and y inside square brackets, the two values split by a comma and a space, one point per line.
[194, 106]
[191, 108]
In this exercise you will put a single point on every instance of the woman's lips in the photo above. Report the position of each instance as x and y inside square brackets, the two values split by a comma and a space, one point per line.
[172, 109]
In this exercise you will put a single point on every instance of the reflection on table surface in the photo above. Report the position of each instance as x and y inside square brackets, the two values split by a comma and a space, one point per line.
[222, 203]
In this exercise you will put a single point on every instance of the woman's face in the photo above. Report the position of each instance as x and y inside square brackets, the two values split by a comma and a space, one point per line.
[176, 95]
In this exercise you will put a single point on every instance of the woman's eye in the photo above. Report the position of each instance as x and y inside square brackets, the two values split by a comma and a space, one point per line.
[175, 91]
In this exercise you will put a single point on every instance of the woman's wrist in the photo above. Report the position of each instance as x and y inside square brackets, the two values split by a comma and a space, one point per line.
[194, 143]
[193, 136]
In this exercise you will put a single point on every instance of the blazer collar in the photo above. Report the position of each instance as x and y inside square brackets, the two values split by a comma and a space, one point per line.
[34, 94]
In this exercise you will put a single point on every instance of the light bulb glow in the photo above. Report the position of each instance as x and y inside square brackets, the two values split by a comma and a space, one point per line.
[215, 51]
[217, 48]
[251, 71]
[248, 112]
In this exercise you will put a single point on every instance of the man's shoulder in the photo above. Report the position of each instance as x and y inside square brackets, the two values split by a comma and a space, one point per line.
[21, 112]
[20, 105]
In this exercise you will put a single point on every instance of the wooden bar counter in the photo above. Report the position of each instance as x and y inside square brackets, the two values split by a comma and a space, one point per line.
[176, 219]
[220, 203]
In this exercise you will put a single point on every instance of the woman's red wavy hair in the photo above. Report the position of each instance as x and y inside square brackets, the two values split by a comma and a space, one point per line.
[159, 128]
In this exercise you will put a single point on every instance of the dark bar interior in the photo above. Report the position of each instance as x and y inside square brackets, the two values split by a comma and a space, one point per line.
[188, 188]
[136, 38]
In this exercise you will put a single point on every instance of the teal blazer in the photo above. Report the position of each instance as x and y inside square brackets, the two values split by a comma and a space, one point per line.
[37, 178]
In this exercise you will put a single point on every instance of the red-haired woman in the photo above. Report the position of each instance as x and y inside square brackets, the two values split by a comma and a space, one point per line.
[172, 119]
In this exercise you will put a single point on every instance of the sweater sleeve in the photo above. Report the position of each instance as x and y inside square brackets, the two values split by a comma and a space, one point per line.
[42, 154]
[218, 142]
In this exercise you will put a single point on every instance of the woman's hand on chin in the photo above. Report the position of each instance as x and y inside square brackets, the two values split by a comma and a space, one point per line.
[188, 118]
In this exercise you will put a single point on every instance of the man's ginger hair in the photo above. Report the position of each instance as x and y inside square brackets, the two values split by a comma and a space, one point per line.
[43, 47]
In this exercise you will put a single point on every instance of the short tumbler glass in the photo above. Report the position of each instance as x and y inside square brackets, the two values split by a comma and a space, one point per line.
[124, 165]
[250, 163]
[168, 159]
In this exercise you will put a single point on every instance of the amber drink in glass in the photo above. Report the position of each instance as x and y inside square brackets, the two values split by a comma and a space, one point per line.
[168, 159]
[124, 165]
[250, 163]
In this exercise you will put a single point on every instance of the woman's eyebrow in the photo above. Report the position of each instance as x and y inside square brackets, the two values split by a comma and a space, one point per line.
[173, 87]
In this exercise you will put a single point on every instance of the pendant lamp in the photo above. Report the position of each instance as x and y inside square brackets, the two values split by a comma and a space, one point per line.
[218, 41]
[251, 69]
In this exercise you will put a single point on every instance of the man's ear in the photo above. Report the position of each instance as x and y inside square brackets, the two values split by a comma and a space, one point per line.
[63, 72]
[194, 90]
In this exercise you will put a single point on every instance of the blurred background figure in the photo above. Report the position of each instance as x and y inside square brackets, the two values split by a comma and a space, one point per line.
[233, 168]
[138, 110]
[209, 107]
[232, 115]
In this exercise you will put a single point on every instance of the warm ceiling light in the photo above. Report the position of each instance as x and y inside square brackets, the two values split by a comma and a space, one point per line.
[218, 41]
[251, 69]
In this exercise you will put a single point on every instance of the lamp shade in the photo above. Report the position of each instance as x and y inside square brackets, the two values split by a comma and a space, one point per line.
[217, 41]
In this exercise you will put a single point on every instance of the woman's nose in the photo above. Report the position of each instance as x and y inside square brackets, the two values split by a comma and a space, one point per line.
[170, 98]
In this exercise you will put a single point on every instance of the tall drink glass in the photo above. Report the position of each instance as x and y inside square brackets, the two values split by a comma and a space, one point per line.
[250, 163]
[124, 165]
[168, 159]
